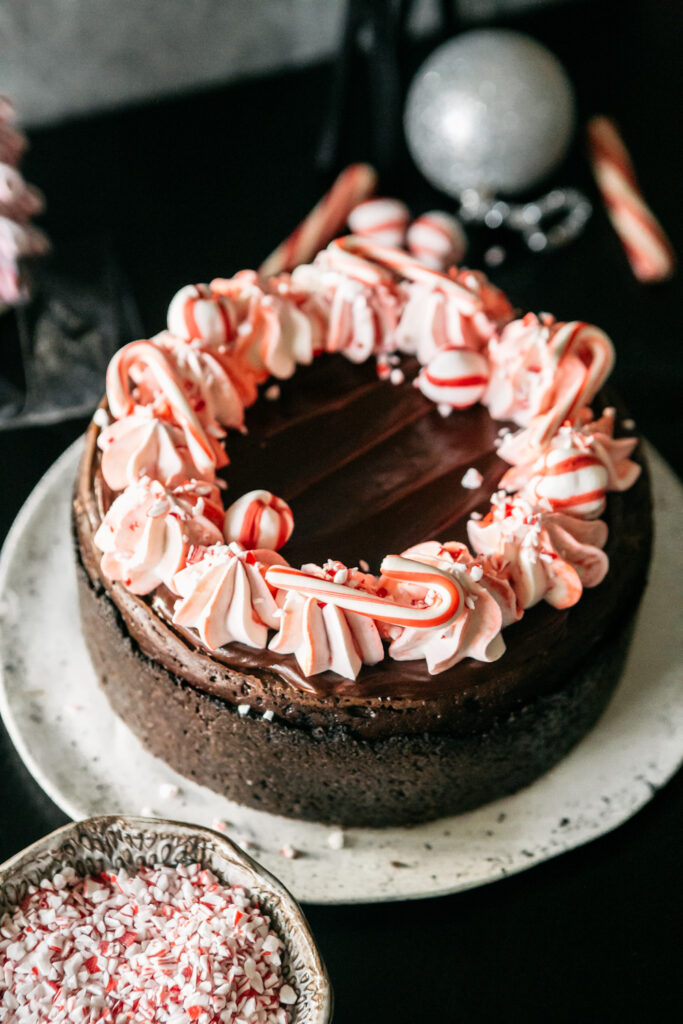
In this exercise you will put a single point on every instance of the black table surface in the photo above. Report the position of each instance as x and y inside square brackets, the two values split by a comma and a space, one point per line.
[202, 186]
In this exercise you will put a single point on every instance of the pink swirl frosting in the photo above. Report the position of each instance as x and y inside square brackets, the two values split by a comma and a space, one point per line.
[275, 333]
[433, 319]
[324, 637]
[159, 384]
[148, 533]
[198, 312]
[361, 300]
[216, 381]
[141, 445]
[578, 468]
[547, 555]
[543, 373]
[489, 605]
[226, 598]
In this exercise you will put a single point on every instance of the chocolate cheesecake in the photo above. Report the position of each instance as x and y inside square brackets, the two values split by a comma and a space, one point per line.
[367, 467]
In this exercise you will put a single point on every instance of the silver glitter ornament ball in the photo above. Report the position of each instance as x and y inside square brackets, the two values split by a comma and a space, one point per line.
[491, 110]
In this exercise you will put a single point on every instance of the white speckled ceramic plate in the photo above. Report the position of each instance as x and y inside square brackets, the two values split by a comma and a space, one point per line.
[89, 762]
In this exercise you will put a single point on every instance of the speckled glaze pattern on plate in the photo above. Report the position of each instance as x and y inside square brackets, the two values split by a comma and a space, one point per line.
[89, 762]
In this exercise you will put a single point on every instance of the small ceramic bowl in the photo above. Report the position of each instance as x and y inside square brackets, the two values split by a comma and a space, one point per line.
[113, 842]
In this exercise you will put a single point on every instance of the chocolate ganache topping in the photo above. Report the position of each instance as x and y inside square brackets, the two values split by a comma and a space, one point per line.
[367, 467]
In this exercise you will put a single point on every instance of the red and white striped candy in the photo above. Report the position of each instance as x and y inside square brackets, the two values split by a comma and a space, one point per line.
[405, 265]
[198, 312]
[572, 480]
[447, 601]
[383, 220]
[437, 240]
[647, 247]
[324, 221]
[122, 403]
[455, 377]
[259, 520]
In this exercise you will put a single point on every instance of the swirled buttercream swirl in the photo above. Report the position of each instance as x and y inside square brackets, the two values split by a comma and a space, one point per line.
[142, 445]
[474, 633]
[226, 598]
[324, 637]
[149, 532]
[578, 468]
[547, 555]
[543, 373]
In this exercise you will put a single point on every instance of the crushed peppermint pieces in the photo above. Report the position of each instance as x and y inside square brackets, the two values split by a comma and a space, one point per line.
[268, 715]
[219, 825]
[628, 424]
[363, 565]
[289, 852]
[336, 839]
[472, 479]
[101, 418]
[272, 393]
[243, 709]
[168, 791]
[163, 945]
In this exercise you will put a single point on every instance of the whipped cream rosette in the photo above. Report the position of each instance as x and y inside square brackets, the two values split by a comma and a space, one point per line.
[321, 635]
[196, 311]
[475, 629]
[275, 334]
[216, 381]
[149, 532]
[142, 445]
[225, 596]
[435, 318]
[577, 470]
[544, 373]
[547, 556]
[361, 300]
[158, 383]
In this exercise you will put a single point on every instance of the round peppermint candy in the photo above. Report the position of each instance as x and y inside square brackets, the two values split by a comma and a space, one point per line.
[383, 220]
[572, 480]
[197, 312]
[454, 377]
[259, 519]
[437, 240]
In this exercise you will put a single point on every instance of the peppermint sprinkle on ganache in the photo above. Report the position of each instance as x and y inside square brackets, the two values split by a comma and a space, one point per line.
[163, 945]
[472, 479]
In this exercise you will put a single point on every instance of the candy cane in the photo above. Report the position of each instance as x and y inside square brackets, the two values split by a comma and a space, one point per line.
[121, 402]
[582, 340]
[410, 268]
[647, 247]
[325, 220]
[448, 596]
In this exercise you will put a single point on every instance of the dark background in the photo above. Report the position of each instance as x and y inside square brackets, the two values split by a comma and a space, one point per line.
[202, 186]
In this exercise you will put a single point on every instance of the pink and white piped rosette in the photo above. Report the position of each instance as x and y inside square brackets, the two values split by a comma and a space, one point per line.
[175, 397]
